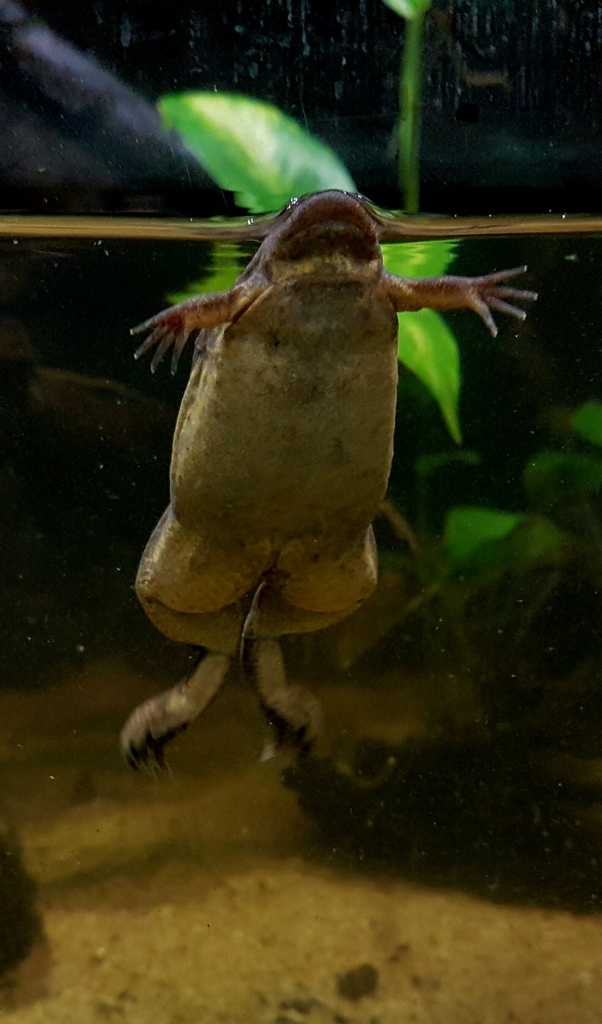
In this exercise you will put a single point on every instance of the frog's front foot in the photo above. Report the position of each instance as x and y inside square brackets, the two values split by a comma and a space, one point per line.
[482, 294]
[159, 719]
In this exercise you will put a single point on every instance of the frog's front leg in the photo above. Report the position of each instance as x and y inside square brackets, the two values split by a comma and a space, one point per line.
[481, 294]
[160, 718]
[199, 315]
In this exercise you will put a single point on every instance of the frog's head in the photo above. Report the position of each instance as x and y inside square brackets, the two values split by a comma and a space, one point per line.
[325, 231]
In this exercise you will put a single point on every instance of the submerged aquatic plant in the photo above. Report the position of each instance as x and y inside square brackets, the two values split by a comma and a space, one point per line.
[490, 557]
[410, 99]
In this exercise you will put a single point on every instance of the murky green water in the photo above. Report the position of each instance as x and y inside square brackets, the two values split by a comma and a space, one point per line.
[447, 831]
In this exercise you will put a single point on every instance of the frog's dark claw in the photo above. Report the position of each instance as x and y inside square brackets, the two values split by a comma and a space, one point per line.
[296, 718]
[293, 712]
[147, 753]
[155, 722]
[146, 733]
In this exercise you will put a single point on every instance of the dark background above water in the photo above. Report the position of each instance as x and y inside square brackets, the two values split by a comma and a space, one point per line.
[512, 104]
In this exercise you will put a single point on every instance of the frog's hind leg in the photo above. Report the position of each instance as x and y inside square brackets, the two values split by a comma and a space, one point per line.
[159, 719]
[303, 595]
[185, 588]
[292, 710]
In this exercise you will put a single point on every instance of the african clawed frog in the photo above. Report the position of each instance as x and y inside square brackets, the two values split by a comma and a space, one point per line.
[281, 455]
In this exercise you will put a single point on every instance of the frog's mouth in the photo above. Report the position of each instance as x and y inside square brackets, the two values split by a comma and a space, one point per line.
[327, 222]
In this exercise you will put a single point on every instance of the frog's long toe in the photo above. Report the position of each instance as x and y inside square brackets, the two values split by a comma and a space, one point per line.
[155, 722]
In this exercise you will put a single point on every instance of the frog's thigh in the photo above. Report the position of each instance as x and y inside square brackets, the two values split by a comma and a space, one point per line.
[218, 631]
[331, 583]
[275, 616]
[187, 572]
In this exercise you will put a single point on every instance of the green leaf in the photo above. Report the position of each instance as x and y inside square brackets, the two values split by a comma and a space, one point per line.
[409, 9]
[537, 539]
[428, 348]
[587, 421]
[553, 477]
[487, 540]
[467, 530]
[419, 259]
[426, 344]
[253, 149]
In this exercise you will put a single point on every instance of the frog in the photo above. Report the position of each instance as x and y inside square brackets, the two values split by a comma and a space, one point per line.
[281, 456]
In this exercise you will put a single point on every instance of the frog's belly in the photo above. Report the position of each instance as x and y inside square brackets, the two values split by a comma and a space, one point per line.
[287, 429]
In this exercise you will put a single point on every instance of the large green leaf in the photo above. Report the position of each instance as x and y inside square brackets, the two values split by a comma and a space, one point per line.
[426, 345]
[488, 540]
[428, 348]
[468, 529]
[587, 421]
[253, 149]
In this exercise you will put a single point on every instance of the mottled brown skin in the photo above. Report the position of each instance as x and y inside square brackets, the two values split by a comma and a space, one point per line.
[281, 455]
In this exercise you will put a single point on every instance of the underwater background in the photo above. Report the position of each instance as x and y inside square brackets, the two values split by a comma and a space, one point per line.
[437, 857]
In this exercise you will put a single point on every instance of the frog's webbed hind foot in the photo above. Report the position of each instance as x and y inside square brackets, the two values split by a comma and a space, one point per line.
[292, 710]
[159, 719]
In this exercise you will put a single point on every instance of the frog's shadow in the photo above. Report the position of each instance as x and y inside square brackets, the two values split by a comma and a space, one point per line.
[478, 818]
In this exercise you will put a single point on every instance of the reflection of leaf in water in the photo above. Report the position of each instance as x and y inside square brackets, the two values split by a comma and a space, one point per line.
[419, 259]
[227, 264]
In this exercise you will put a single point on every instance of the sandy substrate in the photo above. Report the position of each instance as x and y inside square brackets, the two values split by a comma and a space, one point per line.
[196, 898]
[268, 943]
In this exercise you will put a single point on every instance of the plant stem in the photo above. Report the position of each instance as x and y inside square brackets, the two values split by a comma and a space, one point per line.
[410, 103]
